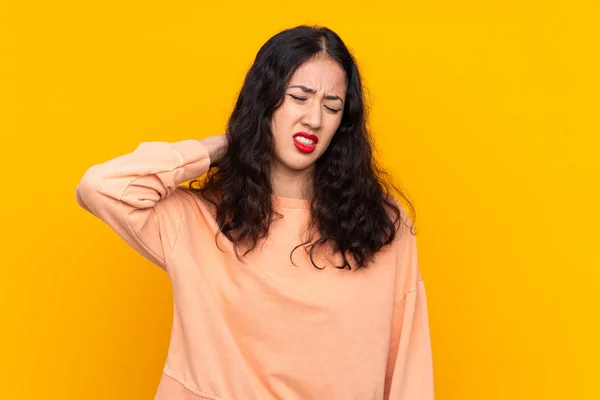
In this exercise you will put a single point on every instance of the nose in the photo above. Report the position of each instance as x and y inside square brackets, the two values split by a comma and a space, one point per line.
[313, 116]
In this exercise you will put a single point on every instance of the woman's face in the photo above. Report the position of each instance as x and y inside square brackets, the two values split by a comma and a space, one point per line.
[312, 107]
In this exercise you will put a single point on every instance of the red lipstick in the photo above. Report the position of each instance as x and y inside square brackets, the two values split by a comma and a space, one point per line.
[306, 147]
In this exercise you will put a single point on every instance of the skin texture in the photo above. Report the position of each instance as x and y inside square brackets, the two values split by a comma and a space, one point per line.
[308, 112]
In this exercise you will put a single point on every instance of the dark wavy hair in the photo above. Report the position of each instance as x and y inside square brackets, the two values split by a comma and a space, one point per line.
[352, 209]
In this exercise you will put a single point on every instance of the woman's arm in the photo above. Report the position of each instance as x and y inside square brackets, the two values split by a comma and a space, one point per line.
[410, 366]
[132, 193]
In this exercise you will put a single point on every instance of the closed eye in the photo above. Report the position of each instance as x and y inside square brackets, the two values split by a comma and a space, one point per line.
[297, 98]
[303, 99]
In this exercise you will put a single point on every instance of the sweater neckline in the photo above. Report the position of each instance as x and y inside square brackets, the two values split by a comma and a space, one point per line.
[288, 202]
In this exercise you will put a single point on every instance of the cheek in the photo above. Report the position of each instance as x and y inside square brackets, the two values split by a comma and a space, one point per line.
[332, 127]
[281, 119]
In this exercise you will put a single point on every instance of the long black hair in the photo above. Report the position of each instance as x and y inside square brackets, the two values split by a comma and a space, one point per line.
[352, 209]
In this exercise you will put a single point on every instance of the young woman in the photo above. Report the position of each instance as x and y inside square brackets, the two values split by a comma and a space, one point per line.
[294, 270]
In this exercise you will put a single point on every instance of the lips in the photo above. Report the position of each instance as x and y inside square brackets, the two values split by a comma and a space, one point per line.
[307, 135]
[303, 147]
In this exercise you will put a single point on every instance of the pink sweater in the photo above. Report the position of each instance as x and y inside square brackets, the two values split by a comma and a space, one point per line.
[264, 329]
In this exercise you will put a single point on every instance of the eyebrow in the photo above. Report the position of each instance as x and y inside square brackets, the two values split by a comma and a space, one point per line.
[309, 90]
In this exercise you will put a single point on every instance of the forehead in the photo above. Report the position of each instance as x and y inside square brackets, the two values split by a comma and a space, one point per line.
[321, 74]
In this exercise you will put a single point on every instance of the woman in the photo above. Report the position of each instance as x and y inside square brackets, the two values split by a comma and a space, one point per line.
[345, 317]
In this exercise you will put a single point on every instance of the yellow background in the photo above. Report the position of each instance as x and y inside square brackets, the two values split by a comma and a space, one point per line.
[486, 113]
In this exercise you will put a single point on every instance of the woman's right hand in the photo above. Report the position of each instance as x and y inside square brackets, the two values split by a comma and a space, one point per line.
[216, 146]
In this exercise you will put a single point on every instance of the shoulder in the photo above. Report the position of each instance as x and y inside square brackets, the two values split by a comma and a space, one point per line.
[403, 215]
[193, 202]
[408, 274]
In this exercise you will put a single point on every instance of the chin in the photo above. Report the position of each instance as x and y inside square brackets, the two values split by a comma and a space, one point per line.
[298, 166]
[296, 163]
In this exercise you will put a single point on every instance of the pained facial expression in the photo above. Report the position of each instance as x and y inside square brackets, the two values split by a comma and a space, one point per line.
[313, 104]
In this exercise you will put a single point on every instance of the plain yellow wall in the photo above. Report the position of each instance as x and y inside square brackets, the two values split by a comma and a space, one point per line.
[486, 113]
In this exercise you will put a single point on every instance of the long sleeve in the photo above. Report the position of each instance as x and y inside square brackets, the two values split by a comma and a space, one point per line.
[133, 194]
[410, 366]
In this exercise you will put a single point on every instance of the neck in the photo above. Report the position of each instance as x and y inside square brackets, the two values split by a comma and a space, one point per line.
[291, 184]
